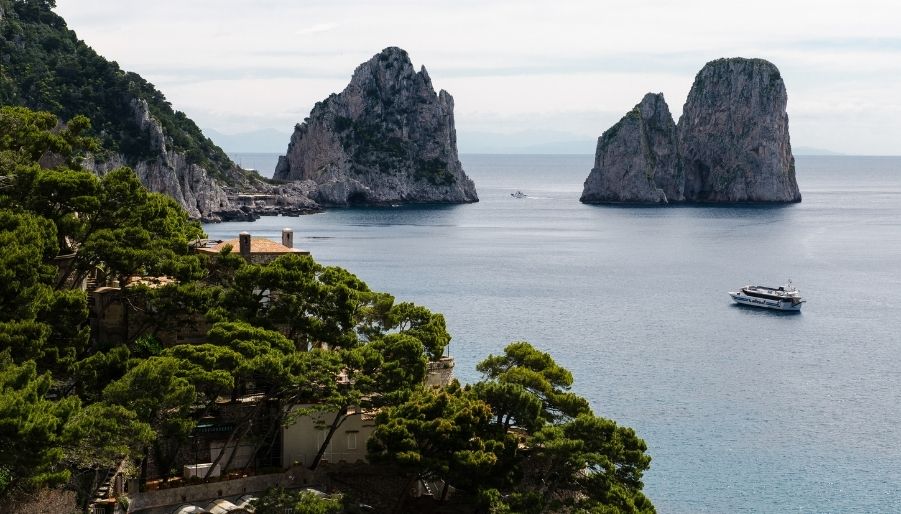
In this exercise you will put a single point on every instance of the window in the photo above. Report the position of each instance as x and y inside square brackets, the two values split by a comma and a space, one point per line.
[352, 441]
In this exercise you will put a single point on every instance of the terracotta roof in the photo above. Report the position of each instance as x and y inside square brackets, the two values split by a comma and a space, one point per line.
[258, 245]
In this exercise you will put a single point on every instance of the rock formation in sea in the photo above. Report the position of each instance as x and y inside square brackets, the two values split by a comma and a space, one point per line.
[733, 135]
[731, 143]
[387, 138]
[636, 159]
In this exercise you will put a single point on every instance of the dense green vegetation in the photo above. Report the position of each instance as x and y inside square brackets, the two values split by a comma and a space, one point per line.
[279, 501]
[74, 405]
[372, 149]
[519, 439]
[44, 66]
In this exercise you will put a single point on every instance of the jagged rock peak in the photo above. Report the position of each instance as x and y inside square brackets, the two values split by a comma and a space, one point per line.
[730, 145]
[636, 159]
[733, 135]
[386, 138]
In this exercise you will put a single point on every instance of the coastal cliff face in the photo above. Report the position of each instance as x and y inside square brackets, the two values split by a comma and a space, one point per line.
[387, 138]
[636, 159]
[169, 172]
[730, 145]
[203, 196]
[134, 123]
[733, 135]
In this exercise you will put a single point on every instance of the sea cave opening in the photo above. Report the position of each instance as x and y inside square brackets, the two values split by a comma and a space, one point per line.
[356, 198]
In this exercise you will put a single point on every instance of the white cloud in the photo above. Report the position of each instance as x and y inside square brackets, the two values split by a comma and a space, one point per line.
[239, 64]
[319, 27]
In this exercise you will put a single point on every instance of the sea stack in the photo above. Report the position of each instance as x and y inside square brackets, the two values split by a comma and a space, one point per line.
[636, 159]
[731, 144]
[387, 138]
[733, 135]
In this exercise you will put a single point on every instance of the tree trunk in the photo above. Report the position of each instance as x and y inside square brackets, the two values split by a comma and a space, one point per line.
[231, 437]
[95, 481]
[340, 416]
[272, 432]
[551, 487]
[231, 456]
[142, 479]
[124, 302]
[85, 493]
[63, 278]
[166, 457]
[398, 507]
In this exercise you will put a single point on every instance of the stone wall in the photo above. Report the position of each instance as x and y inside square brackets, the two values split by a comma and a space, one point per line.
[440, 372]
[163, 501]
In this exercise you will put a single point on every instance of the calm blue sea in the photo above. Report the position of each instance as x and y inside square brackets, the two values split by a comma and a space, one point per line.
[743, 410]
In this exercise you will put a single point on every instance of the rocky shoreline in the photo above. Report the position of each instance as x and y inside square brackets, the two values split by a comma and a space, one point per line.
[274, 200]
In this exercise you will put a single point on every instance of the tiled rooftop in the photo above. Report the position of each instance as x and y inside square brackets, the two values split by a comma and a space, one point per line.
[258, 245]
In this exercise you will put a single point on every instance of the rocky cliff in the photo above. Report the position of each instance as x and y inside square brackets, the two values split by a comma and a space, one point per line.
[387, 138]
[168, 172]
[733, 135]
[636, 159]
[731, 143]
[205, 197]
[44, 66]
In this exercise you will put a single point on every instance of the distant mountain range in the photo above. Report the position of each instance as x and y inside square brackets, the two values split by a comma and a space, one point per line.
[808, 150]
[525, 142]
[256, 141]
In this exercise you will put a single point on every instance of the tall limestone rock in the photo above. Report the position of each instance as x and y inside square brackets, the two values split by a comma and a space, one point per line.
[730, 145]
[733, 135]
[636, 159]
[387, 138]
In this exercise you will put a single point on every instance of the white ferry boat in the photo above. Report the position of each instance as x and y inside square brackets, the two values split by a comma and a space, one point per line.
[782, 298]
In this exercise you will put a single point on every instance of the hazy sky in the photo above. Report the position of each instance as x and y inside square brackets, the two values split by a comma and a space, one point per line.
[571, 67]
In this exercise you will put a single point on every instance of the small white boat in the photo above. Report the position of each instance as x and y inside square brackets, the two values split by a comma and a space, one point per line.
[519, 194]
[782, 298]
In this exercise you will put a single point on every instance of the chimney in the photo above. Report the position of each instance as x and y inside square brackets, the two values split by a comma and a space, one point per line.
[288, 237]
[244, 244]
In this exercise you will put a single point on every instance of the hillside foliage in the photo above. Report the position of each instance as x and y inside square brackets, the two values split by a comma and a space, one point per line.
[304, 336]
[44, 66]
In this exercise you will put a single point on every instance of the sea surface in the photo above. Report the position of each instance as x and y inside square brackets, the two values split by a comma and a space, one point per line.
[743, 410]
